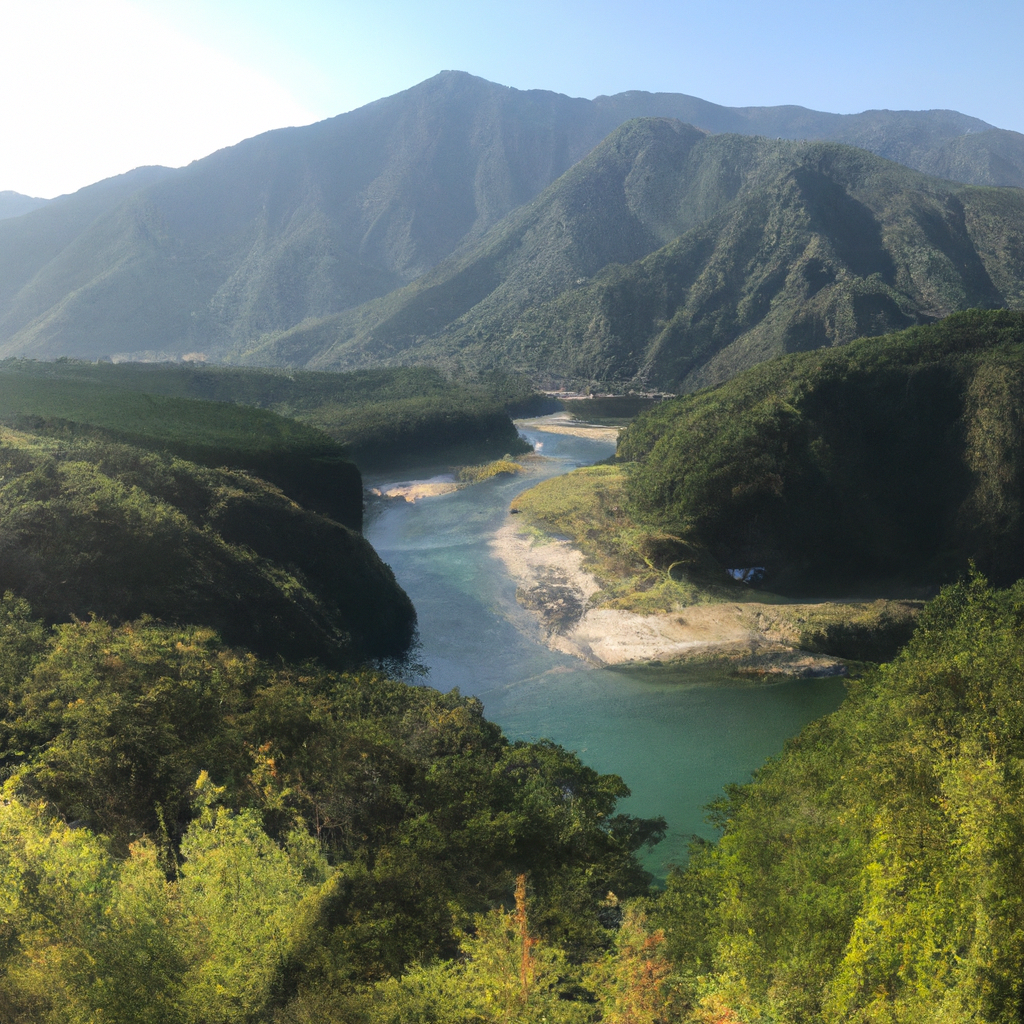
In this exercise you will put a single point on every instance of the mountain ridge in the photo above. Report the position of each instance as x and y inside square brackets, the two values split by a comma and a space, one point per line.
[14, 204]
[303, 223]
[774, 246]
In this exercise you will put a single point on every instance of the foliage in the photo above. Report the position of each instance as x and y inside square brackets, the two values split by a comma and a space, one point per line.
[478, 474]
[94, 527]
[290, 427]
[343, 826]
[873, 871]
[892, 459]
[507, 975]
[83, 937]
[74, 402]
[633, 981]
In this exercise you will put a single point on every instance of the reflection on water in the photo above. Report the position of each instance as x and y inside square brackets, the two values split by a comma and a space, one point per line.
[674, 740]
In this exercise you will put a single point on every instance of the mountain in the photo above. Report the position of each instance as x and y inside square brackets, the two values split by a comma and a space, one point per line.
[14, 204]
[772, 246]
[304, 223]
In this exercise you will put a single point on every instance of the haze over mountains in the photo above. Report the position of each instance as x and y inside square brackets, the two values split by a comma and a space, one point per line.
[293, 247]
[14, 204]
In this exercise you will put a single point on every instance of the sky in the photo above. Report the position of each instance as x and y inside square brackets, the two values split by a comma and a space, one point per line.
[93, 88]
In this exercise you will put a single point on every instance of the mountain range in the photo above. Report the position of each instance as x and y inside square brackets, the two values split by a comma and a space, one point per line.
[467, 222]
[14, 204]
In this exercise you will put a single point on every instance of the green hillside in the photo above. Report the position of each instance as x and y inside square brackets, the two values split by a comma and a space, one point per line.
[873, 871]
[781, 247]
[896, 458]
[258, 841]
[94, 526]
[377, 418]
[64, 399]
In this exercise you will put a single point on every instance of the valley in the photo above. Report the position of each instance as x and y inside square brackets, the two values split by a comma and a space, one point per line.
[475, 633]
[358, 665]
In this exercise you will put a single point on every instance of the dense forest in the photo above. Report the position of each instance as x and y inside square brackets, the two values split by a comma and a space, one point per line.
[892, 460]
[213, 809]
[672, 259]
[194, 834]
[873, 872]
[376, 418]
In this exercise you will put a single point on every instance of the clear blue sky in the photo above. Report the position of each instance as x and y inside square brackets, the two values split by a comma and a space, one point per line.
[91, 89]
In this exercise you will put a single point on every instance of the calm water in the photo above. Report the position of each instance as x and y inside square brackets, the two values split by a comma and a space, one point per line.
[675, 741]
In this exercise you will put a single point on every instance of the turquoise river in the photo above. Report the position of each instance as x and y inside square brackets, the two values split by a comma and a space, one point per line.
[676, 741]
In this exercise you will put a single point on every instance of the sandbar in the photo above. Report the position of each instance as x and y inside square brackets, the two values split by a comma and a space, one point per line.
[553, 584]
[413, 490]
[563, 423]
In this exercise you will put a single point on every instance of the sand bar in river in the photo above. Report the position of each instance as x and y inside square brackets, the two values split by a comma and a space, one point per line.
[552, 583]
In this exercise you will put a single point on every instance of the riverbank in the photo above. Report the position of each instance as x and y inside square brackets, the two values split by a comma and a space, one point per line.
[551, 582]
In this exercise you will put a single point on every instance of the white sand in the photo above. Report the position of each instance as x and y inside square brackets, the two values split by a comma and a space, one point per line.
[412, 490]
[607, 636]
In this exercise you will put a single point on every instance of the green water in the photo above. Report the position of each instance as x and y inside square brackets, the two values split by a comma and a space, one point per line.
[675, 740]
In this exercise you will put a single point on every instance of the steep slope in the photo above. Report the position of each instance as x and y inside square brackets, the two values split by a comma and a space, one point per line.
[872, 871]
[784, 247]
[295, 223]
[90, 525]
[896, 458]
[29, 243]
[303, 223]
[623, 201]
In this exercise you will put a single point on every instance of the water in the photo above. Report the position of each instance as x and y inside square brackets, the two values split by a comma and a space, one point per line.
[676, 742]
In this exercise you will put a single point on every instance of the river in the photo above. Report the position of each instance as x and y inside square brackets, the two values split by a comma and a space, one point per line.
[676, 741]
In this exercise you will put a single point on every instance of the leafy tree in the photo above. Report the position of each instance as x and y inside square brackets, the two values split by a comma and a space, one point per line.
[83, 936]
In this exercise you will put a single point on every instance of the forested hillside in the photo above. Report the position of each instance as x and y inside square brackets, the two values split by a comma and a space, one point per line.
[256, 841]
[91, 525]
[891, 461]
[671, 259]
[14, 204]
[873, 871]
[303, 223]
[376, 418]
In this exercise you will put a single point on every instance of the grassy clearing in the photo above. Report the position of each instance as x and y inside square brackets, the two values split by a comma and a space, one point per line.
[638, 570]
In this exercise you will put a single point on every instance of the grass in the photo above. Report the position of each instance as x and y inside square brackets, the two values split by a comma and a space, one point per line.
[489, 470]
[631, 563]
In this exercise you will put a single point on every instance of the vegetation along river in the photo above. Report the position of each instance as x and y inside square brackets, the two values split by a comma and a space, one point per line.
[676, 740]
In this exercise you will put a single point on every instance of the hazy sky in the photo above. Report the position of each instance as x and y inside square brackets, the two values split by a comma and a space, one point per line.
[91, 88]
